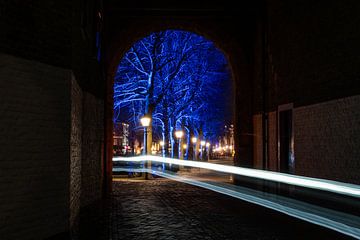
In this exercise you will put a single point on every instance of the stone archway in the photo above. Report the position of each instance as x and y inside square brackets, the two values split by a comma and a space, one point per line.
[229, 40]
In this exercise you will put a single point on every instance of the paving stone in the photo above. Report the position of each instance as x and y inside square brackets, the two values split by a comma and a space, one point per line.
[164, 209]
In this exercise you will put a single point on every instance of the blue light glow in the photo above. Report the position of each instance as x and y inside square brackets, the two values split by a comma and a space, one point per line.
[177, 77]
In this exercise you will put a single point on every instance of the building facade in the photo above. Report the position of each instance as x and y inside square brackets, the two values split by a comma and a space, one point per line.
[121, 139]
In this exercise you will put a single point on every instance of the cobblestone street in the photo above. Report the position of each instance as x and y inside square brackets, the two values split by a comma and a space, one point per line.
[164, 209]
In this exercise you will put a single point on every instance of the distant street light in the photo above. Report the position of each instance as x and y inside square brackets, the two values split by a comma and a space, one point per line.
[179, 134]
[145, 122]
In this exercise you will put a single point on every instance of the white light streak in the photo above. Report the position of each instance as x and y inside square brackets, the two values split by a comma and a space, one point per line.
[314, 183]
[343, 223]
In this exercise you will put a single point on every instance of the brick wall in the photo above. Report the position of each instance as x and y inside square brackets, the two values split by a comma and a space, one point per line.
[34, 148]
[92, 152]
[51, 149]
[75, 154]
[51, 60]
[327, 140]
[310, 58]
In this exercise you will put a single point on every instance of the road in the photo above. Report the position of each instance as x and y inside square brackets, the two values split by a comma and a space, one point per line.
[164, 209]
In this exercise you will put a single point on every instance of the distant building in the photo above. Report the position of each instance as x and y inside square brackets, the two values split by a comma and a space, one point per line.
[121, 138]
[227, 138]
[226, 144]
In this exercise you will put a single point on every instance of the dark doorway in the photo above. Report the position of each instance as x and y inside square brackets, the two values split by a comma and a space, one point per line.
[286, 159]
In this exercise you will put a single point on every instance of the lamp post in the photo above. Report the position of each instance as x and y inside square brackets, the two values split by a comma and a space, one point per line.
[208, 151]
[194, 140]
[179, 134]
[162, 144]
[185, 146]
[145, 122]
[202, 144]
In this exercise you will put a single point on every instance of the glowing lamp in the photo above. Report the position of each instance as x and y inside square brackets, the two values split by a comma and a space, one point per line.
[193, 140]
[207, 144]
[162, 143]
[145, 121]
[185, 146]
[202, 143]
[179, 134]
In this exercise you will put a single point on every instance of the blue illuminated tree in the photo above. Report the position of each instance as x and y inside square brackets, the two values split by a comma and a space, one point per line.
[176, 77]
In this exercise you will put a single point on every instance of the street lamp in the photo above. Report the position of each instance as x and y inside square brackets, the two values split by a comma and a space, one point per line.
[202, 143]
[145, 122]
[179, 134]
[208, 150]
[185, 152]
[162, 144]
[194, 140]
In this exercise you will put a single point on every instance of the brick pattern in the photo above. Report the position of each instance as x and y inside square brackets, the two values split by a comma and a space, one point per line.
[167, 210]
[327, 140]
[75, 153]
[34, 148]
[92, 152]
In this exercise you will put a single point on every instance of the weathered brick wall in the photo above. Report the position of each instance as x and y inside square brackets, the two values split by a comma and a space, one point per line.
[92, 151]
[75, 154]
[34, 148]
[311, 60]
[327, 140]
[41, 116]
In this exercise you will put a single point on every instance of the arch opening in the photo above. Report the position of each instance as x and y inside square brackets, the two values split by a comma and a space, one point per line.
[182, 82]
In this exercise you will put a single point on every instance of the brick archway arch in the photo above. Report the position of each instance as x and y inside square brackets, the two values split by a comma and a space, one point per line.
[235, 45]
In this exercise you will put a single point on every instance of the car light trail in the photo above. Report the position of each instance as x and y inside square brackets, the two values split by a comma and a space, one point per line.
[314, 183]
[337, 221]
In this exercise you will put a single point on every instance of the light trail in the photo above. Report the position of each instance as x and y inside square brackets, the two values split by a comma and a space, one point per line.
[344, 223]
[314, 183]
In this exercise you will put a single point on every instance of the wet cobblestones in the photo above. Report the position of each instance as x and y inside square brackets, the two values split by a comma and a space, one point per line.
[164, 209]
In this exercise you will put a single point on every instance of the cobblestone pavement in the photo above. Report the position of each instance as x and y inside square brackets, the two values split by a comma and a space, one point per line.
[205, 175]
[164, 209]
